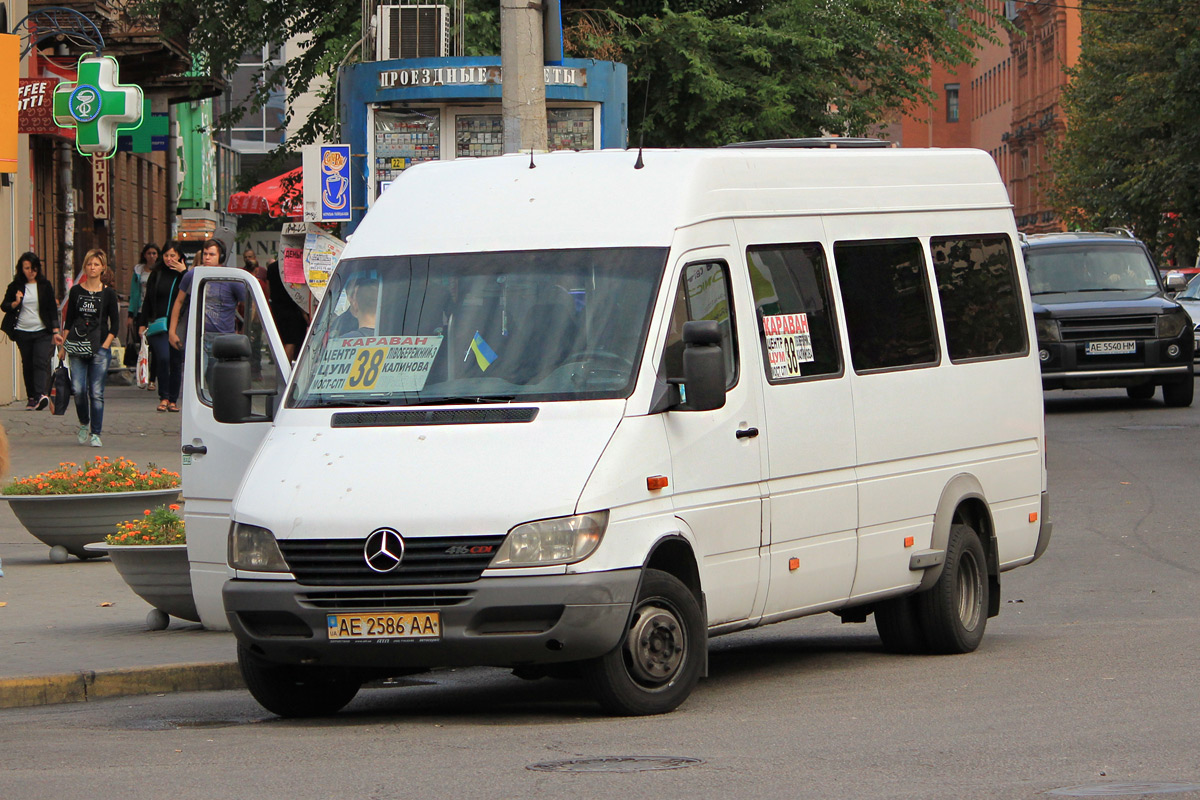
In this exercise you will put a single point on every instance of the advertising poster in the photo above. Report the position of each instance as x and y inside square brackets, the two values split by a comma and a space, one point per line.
[321, 253]
[335, 182]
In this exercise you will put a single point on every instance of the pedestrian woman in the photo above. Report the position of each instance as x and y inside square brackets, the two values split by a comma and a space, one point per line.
[31, 320]
[161, 289]
[91, 324]
[137, 290]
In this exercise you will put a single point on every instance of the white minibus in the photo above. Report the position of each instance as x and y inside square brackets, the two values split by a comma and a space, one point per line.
[577, 413]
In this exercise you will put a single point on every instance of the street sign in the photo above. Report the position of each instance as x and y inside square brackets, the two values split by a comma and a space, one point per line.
[97, 106]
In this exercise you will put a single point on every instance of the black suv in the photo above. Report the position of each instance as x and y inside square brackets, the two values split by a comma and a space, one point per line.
[1103, 318]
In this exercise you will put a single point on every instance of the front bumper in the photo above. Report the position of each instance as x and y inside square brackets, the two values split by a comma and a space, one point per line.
[488, 622]
[1065, 365]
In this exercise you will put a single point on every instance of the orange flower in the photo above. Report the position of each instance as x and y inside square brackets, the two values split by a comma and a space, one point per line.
[174, 506]
[146, 512]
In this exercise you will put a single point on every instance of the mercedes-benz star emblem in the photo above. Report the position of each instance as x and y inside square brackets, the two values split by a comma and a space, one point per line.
[384, 550]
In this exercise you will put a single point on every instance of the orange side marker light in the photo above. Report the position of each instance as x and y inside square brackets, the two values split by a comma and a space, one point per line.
[1033, 516]
[908, 541]
[793, 564]
[656, 482]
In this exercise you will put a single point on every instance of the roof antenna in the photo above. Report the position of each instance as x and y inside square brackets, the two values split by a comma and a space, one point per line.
[531, 164]
[642, 128]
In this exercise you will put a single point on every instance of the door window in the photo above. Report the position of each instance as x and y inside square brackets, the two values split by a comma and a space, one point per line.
[981, 300]
[227, 306]
[703, 293]
[796, 322]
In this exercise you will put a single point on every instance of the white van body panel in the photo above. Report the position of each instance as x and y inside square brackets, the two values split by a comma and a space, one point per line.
[531, 209]
[343, 483]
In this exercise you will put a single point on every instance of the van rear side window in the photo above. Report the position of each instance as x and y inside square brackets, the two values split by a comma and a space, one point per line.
[980, 296]
[796, 323]
[889, 313]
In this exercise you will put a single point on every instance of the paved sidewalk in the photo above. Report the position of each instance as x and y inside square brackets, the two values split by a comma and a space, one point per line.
[74, 631]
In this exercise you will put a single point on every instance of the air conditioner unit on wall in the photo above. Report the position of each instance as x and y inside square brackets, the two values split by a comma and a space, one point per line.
[412, 31]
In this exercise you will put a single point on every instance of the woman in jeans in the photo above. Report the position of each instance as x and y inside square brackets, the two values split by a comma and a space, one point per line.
[161, 288]
[92, 320]
[31, 320]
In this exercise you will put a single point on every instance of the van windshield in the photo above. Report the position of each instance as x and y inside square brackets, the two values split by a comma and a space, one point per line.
[480, 327]
[1089, 268]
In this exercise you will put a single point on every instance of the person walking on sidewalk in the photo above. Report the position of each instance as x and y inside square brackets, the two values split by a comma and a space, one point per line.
[92, 322]
[221, 301]
[152, 319]
[31, 320]
[137, 295]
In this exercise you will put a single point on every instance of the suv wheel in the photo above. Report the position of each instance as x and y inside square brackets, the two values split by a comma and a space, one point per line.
[1179, 394]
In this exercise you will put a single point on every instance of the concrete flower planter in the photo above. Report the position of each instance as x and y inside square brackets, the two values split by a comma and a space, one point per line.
[157, 573]
[67, 522]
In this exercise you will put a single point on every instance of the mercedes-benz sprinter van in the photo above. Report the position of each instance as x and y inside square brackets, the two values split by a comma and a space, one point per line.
[582, 412]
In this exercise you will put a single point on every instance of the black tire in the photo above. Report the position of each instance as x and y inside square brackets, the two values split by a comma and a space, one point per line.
[953, 614]
[899, 626]
[658, 662]
[1143, 392]
[294, 691]
[1179, 394]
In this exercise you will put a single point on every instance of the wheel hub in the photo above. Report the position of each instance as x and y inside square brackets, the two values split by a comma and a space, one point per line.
[656, 645]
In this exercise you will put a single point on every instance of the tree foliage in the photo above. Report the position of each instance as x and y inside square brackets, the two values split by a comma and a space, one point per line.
[1130, 155]
[701, 72]
[708, 72]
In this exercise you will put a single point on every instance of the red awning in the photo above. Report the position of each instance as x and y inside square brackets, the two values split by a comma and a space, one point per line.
[265, 198]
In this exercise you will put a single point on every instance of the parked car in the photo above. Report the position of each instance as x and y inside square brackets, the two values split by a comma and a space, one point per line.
[1189, 298]
[1103, 318]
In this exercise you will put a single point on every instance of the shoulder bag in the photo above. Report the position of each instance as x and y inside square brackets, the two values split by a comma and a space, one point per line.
[159, 324]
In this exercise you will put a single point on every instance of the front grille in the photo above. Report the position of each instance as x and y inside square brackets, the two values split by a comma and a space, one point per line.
[1089, 329]
[386, 598]
[447, 416]
[340, 562]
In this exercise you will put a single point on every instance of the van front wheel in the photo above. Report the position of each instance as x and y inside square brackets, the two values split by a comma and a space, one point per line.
[657, 663]
[294, 691]
[953, 614]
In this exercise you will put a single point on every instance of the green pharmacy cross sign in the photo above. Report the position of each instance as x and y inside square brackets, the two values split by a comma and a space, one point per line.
[96, 106]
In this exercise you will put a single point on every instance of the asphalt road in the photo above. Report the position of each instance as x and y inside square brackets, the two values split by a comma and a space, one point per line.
[1086, 685]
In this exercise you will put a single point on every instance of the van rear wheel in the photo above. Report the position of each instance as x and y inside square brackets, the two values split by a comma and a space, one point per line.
[658, 662]
[294, 691]
[953, 614]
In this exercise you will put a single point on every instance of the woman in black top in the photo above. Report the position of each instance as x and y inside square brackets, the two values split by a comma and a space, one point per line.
[31, 320]
[161, 289]
[91, 320]
[290, 320]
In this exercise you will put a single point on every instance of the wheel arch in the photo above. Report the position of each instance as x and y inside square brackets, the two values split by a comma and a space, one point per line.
[675, 555]
[963, 500]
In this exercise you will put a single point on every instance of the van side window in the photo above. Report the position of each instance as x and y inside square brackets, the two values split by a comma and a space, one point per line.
[796, 323]
[980, 295]
[889, 313]
[703, 293]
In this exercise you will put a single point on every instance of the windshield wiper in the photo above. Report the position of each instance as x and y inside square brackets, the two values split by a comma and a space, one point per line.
[464, 399]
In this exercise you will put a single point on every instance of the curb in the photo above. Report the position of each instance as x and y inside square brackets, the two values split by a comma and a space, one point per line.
[79, 687]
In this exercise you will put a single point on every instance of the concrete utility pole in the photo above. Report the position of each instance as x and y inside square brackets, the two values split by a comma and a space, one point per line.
[524, 90]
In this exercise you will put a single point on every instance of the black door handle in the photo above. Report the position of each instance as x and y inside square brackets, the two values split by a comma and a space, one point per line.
[193, 449]
[748, 433]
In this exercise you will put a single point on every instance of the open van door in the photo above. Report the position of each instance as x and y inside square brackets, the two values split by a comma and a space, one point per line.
[215, 455]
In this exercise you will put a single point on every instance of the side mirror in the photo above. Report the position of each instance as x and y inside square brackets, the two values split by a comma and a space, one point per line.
[703, 366]
[230, 378]
[1176, 281]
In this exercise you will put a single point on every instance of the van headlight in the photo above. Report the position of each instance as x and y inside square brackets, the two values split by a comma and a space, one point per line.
[1172, 324]
[1047, 330]
[552, 541]
[255, 549]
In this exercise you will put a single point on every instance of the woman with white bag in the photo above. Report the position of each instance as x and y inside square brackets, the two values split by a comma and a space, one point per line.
[161, 288]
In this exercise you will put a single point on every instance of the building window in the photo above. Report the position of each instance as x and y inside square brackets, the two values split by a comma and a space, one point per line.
[258, 131]
[951, 102]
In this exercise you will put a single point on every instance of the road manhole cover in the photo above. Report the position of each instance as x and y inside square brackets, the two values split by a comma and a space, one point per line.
[616, 764]
[1125, 789]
